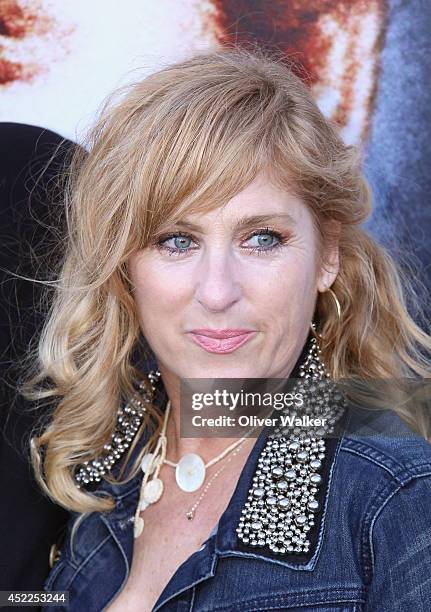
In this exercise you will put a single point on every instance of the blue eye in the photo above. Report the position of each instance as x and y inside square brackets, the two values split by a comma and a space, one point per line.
[176, 244]
[182, 242]
[264, 240]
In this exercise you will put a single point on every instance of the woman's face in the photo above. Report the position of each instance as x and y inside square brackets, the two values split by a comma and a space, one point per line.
[246, 273]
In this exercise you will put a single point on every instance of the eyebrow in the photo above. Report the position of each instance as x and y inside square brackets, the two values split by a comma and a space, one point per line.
[244, 222]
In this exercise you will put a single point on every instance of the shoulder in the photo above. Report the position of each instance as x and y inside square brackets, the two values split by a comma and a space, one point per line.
[399, 538]
[390, 471]
[380, 456]
[385, 445]
[384, 468]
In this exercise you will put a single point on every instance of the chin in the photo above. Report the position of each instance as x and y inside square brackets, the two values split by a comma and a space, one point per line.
[223, 371]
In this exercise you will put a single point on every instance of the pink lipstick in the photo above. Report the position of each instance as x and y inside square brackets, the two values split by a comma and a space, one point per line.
[221, 340]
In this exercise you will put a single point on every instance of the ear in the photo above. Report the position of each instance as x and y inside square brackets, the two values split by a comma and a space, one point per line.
[331, 263]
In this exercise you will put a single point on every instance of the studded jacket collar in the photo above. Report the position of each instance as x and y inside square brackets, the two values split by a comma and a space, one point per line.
[369, 549]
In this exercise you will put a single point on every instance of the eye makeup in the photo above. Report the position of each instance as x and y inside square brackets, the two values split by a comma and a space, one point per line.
[173, 249]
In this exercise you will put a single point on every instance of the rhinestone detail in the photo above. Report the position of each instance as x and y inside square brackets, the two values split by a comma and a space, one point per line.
[129, 419]
[281, 507]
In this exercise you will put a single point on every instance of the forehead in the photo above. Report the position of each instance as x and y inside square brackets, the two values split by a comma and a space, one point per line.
[260, 201]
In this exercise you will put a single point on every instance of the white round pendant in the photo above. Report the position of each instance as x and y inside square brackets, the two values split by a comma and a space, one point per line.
[190, 472]
[146, 460]
[153, 490]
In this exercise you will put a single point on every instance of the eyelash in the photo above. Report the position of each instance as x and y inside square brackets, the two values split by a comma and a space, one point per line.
[259, 250]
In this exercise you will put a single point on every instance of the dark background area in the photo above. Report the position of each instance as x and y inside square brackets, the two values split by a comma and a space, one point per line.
[29, 224]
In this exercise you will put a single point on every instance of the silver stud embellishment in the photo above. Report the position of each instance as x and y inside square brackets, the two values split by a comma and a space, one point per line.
[282, 507]
[129, 419]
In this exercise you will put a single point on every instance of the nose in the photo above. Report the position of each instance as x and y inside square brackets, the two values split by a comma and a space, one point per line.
[217, 287]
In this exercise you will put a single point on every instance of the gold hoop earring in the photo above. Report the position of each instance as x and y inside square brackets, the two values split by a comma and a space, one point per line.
[337, 303]
[338, 309]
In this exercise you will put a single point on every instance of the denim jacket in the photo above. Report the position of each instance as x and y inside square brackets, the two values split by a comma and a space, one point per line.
[371, 551]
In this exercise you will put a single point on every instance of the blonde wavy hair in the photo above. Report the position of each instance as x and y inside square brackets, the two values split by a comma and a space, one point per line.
[185, 139]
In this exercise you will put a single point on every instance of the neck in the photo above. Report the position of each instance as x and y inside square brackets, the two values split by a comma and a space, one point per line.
[208, 447]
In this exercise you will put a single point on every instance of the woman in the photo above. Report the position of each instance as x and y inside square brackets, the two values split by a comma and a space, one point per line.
[214, 231]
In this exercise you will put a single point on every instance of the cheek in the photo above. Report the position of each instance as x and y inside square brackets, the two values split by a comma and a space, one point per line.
[287, 288]
[158, 289]
[286, 295]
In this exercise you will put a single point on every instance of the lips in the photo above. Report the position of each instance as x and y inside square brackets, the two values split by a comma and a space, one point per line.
[221, 340]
